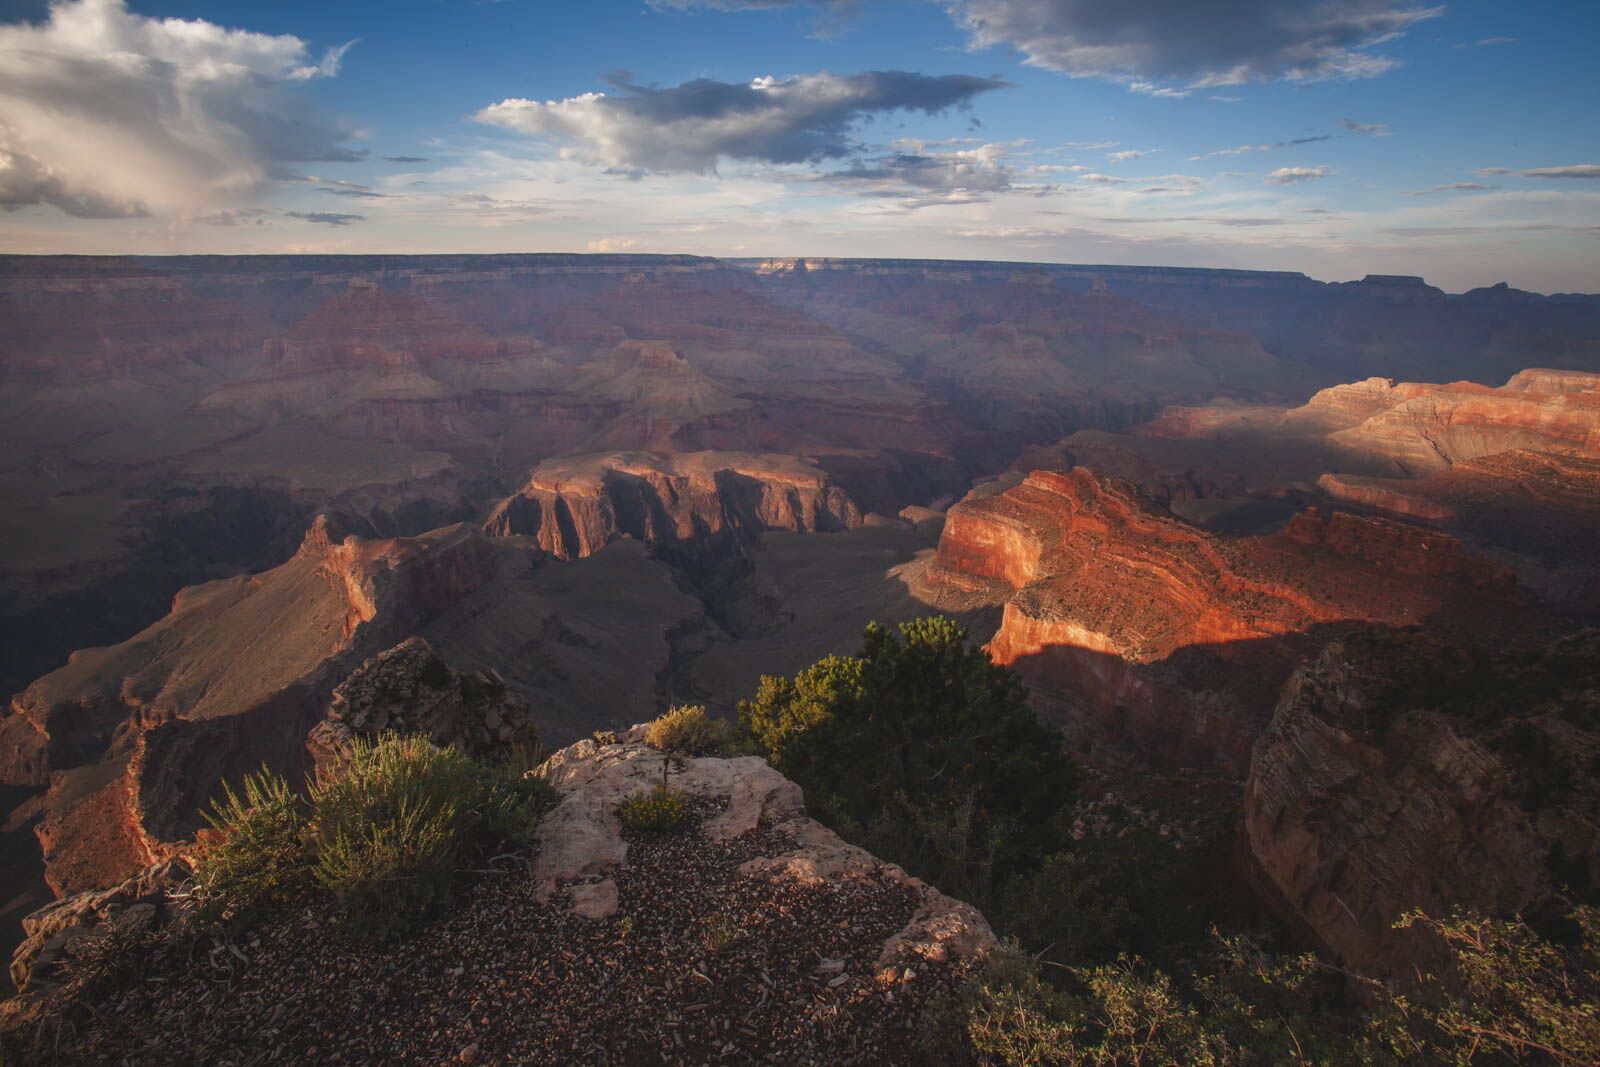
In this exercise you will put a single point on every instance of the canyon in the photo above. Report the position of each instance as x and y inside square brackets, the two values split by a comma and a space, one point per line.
[176, 420]
[588, 487]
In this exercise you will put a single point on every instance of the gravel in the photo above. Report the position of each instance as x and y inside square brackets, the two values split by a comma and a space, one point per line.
[698, 965]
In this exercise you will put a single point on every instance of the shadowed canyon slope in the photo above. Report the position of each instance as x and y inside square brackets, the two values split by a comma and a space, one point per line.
[1400, 773]
[128, 742]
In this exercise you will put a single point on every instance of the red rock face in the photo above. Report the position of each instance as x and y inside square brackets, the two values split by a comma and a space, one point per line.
[701, 504]
[1512, 470]
[1140, 632]
[1398, 773]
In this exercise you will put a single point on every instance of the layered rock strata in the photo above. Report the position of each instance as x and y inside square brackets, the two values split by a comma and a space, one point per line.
[1143, 635]
[704, 505]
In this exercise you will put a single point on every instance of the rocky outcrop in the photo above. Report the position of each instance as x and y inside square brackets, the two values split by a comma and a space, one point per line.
[132, 739]
[1400, 773]
[1509, 470]
[58, 933]
[703, 505]
[410, 690]
[1411, 429]
[1141, 634]
[581, 841]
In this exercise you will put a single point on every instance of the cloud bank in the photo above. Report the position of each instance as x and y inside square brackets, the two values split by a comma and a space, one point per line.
[192, 113]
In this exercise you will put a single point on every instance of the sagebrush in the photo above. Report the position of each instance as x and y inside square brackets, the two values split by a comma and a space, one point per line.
[386, 829]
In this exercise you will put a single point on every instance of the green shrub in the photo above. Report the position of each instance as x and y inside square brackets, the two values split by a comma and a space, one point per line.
[654, 810]
[392, 820]
[260, 854]
[1513, 994]
[385, 830]
[924, 746]
[513, 802]
[1251, 1008]
[1508, 996]
[688, 731]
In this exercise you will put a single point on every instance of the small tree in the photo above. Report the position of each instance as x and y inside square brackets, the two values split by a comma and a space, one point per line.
[925, 748]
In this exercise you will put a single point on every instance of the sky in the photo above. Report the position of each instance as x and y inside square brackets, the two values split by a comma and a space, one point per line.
[1458, 140]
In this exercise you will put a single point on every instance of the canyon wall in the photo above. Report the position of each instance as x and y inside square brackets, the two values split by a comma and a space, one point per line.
[402, 393]
[1401, 773]
[129, 741]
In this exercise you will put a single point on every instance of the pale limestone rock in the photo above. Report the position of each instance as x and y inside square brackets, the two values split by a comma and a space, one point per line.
[597, 900]
[582, 839]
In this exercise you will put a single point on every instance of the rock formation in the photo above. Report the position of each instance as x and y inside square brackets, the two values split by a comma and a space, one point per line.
[410, 690]
[1509, 470]
[1141, 633]
[1399, 773]
[704, 505]
[1409, 429]
[122, 748]
[581, 840]
[1535, 512]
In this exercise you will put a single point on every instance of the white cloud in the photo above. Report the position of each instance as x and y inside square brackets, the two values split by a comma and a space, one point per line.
[923, 177]
[1293, 175]
[325, 218]
[1581, 171]
[192, 114]
[1238, 150]
[691, 127]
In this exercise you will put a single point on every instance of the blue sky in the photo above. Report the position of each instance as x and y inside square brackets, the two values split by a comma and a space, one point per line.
[1339, 137]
